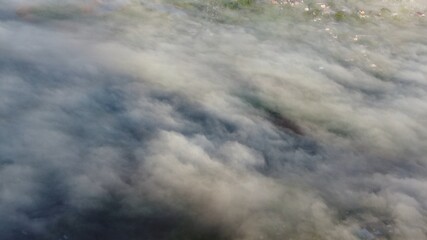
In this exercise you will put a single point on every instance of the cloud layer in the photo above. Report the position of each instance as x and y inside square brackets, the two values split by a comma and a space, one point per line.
[213, 120]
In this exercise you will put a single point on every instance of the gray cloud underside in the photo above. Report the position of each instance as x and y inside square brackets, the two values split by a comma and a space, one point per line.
[188, 120]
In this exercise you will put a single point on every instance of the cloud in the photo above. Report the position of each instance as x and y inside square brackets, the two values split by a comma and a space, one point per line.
[194, 120]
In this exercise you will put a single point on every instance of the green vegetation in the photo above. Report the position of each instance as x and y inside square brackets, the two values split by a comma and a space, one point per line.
[340, 16]
[238, 4]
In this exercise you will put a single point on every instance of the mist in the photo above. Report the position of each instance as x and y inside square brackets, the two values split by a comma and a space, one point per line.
[213, 119]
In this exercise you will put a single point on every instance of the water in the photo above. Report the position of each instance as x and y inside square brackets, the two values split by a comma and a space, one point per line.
[215, 119]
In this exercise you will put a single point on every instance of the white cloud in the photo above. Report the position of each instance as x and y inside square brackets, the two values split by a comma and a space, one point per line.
[170, 120]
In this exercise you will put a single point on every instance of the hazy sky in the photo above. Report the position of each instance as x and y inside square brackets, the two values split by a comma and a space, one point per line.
[213, 119]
